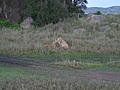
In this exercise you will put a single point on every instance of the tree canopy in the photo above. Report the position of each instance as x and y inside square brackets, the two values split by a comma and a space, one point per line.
[78, 5]
[51, 11]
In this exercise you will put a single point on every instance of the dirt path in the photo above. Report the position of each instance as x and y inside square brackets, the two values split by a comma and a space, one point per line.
[60, 73]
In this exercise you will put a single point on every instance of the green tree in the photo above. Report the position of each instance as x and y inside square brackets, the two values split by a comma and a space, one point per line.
[98, 13]
[45, 11]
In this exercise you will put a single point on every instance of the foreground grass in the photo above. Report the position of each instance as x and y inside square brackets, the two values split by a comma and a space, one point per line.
[55, 84]
[22, 78]
[11, 72]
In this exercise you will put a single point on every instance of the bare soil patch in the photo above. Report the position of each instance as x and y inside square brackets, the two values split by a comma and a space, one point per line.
[14, 61]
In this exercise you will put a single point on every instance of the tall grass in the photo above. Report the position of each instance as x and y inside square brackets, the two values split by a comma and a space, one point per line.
[94, 40]
[55, 84]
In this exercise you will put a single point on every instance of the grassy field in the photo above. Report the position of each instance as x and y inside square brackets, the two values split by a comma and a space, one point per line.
[14, 72]
[92, 53]
[55, 84]
[94, 40]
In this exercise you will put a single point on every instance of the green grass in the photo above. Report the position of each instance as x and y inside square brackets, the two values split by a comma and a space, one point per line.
[58, 55]
[12, 72]
[27, 78]
[108, 62]
[8, 71]
[8, 24]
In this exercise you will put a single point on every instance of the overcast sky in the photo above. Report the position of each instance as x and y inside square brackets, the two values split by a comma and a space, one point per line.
[103, 3]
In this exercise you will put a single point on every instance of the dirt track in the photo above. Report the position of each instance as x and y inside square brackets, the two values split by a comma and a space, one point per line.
[67, 74]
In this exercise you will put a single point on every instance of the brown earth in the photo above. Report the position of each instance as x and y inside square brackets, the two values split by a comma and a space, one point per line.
[72, 74]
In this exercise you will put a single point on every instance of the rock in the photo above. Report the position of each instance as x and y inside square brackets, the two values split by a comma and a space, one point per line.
[114, 24]
[26, 23]
[90, 14]
[77, 31]
[12, 10]
[105, 28]
[95, 18]
[119, 26]
[0, 10]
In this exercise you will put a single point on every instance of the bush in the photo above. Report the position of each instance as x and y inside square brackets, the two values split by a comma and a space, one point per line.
[45, 11]
[8, 24]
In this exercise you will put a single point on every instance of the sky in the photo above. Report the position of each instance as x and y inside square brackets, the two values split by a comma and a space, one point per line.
[103, 3]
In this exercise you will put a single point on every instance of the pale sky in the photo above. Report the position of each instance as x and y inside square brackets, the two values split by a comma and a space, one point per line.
[103, 3]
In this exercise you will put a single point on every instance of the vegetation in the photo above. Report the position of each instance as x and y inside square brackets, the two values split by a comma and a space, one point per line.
[45, 11]
[8, 24]
[89, 65]
[98, 13]
[52, 11]
[79, 6]
[94, 40]
[92, 50]
[15, 72]
[55, 84]
[37, 77]
[7, 72]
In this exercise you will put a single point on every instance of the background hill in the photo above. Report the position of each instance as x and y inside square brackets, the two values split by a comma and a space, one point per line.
[109, 10]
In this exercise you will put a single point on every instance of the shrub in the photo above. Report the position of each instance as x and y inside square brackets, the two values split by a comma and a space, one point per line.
[8, 24]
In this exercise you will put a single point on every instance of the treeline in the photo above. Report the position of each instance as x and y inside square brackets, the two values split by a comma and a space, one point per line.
[52, 11]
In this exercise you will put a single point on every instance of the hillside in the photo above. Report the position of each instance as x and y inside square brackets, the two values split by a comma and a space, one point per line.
[109, 10]
[94, 39]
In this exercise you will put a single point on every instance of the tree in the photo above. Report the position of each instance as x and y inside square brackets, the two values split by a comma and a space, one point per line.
[80, 3]
[98, 13]
[77, 5]
[45, 11]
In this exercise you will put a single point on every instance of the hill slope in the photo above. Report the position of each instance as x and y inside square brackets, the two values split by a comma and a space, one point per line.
[109, 10]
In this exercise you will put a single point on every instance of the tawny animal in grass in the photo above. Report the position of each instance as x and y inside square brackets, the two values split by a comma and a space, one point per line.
[51, 45]
[62, 43]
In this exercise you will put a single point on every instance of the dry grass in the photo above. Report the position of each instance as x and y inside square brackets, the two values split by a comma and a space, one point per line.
[71, 64]
[55, 84]
[91, 41]
[86, 65]
[114, 64]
